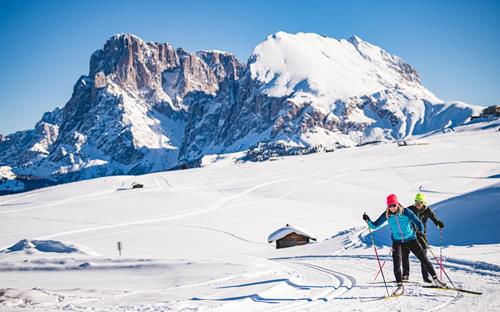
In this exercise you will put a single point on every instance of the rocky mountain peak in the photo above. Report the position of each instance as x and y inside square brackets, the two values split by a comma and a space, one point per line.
[131, 62]
[355, 40]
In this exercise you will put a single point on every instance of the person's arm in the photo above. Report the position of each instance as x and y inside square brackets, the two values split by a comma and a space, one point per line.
[414, 219]
[434, 218]
[378, 223]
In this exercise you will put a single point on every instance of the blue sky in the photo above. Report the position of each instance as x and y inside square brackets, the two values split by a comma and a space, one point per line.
[46, 45]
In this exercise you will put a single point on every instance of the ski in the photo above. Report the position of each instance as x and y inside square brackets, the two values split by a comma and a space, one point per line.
[454, 288]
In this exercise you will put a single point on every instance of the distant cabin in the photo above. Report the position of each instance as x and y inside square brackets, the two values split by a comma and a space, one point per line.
[136, 185]
[490, 111]
[289, 236]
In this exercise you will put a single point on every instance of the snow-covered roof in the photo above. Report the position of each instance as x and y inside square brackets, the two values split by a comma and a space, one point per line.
[284, 231]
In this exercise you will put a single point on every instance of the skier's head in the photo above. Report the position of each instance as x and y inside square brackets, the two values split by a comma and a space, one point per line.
[393, 205]
[392, 199]
[420, 200]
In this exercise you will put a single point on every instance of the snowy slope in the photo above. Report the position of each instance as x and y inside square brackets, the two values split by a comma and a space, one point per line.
[196, 240]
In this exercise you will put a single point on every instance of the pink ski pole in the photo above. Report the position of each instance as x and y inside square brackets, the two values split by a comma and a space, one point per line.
[383, 263]
[376, 254]
[441, 252]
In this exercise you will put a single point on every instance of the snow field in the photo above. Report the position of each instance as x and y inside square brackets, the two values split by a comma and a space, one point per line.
[195, 240]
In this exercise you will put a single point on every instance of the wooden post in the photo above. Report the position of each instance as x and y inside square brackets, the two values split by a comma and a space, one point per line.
[119, 246]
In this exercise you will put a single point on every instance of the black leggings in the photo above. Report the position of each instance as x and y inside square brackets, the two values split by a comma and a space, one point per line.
[406, 261]
[416, 249]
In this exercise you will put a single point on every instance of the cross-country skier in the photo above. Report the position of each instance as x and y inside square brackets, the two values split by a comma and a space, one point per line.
[423, 212]
[403, 236]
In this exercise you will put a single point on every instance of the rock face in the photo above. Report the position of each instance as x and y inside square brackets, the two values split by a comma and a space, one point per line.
[146, 106]
[30, 146]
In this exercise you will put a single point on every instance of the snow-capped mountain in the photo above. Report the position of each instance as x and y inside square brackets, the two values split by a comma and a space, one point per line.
[307, 90]
[146, 106]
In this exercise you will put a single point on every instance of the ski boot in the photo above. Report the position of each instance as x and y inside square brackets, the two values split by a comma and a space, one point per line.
[427, 280]
[399, 291]
[438, 283]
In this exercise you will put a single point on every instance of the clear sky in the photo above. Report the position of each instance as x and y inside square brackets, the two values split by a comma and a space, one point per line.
[46, 45]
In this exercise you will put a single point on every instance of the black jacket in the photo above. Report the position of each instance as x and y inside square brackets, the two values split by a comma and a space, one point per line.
[424, 214]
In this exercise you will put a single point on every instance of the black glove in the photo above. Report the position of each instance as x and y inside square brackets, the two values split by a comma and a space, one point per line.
[419, 234]
[366, 217]
[440, 224]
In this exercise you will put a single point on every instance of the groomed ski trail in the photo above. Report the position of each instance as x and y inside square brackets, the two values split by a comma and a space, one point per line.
[218, 204]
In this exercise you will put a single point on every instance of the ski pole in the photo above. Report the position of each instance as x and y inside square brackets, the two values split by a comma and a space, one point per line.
[383, 263]
[441, 252]
[376, 254]
[440, 265]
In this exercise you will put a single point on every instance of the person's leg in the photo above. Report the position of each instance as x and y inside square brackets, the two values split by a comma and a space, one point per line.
[396, 260]
[417, 250]
[425, 274]
[406, 262]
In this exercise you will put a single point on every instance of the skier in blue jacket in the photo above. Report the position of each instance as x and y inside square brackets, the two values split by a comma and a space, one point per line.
[403, 235]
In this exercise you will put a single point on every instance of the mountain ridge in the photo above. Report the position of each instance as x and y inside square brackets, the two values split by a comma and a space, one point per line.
[147, 106]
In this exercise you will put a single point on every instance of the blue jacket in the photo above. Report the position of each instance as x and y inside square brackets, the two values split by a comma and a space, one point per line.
[400, 224]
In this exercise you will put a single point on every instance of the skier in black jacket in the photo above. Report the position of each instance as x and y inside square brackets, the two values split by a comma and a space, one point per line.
[423, 212]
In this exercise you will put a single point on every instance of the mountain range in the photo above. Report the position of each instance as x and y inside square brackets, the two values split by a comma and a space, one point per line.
[147, 106]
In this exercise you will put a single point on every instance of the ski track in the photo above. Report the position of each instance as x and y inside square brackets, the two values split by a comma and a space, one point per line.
[18, 198]
[166, 224]
[447, 303]
[211, 207]
[346, 283]
[219, 231]
[301, 188]
[394, 303]
[91, 196]
[124, 294]
[325, 300]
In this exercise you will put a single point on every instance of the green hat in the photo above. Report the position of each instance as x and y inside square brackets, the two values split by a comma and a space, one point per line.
[420, 197]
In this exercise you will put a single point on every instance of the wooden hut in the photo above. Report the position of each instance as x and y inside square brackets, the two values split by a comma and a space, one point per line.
[137, 185]
[491, 111]
[289, 236]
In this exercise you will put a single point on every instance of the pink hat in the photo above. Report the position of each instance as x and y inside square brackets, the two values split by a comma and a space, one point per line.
[392, 200]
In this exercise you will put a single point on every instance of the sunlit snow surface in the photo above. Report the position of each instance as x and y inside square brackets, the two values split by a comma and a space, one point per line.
[196, 240]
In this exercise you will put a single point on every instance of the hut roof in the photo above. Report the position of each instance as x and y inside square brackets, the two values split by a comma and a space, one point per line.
[284, 231]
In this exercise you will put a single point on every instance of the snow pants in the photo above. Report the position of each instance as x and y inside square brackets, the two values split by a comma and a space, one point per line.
[406, 261]
[416, 249]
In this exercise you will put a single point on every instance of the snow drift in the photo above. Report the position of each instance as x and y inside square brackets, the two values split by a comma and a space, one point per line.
[469, 219]
[29, 247]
